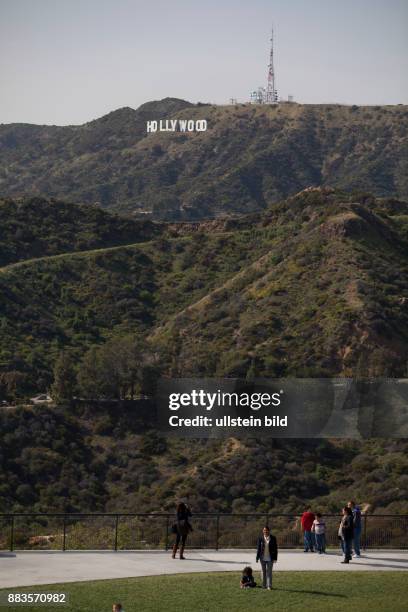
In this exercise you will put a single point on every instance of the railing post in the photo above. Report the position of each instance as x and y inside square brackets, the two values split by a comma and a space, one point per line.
[217, 536]
[365, 532]
[166, 545]
[12, 533]
[116, 531]
[64, 533]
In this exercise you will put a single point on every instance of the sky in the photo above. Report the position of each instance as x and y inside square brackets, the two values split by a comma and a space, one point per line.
[70, 61]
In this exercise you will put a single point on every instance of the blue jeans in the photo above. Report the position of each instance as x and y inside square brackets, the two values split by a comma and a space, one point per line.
[308, 540]
[346, 547]
[356, 540]
[266, 573]
[320, 542]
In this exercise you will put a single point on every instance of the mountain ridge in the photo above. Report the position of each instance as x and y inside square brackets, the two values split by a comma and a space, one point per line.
[250, 157]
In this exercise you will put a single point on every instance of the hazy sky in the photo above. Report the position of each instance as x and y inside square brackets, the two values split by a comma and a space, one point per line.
[70, 61]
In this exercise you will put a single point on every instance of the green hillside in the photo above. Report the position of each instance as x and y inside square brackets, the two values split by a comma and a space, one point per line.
[34, 227]
[94, 460]
[315, 285]
[250, 157]
[326, 297]
[75, 300]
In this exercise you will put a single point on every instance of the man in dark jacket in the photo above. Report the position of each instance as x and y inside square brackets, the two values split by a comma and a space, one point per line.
[181, 528]
[346, 533]
[356, 527]
[267, 553]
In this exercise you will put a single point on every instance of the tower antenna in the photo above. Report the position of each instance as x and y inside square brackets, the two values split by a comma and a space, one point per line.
[268, 94]
[271, 95]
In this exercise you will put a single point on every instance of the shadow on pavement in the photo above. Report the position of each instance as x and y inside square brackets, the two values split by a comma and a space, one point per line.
[387, 559]
[5, 554]
[215, 561]
[383, 565]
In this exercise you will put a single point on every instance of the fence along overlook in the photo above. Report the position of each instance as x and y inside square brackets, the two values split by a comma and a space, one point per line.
[136, 531]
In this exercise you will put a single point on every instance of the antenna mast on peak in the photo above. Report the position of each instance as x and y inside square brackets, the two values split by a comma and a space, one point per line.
[268, 94]
[271, 94]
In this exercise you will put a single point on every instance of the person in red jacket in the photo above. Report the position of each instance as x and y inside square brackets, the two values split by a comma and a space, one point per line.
[307, 521]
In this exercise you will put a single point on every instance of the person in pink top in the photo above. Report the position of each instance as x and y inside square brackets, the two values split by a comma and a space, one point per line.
[307, 521]
[319, 530]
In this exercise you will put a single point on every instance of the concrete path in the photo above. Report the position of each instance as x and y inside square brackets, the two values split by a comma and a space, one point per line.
[47, 567]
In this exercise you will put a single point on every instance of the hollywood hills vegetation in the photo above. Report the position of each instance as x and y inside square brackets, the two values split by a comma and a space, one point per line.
[325, 297]
[250, 157]
[34, 228]
[315, 285]
[95, 459]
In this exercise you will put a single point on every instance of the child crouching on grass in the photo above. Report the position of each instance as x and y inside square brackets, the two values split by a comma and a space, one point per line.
[247, 579]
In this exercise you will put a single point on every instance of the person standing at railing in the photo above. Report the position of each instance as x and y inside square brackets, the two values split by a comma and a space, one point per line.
[319, 530]
[356, 527]
[181, 528]
[267, 553]
[307, 521]
[346, 533]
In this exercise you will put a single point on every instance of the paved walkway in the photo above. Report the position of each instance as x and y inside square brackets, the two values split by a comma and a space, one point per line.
[47, 567]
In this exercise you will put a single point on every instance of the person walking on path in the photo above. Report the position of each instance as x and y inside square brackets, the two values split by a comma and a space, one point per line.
[319, 530]
[181, 528]
[307, 521]
[356, 527]
[346, 533]
[267, 553]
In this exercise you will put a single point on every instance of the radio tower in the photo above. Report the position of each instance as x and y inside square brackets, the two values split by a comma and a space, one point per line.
[268, 94]
[271, 94]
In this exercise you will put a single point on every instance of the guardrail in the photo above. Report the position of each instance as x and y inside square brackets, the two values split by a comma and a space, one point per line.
[138, 531]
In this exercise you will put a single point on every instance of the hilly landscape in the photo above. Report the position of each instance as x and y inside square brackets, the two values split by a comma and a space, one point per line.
[249, 158]
[315, 285]
[273, 245]
[96, 459]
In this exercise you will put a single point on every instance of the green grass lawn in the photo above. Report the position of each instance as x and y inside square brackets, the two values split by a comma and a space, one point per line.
[220, 592]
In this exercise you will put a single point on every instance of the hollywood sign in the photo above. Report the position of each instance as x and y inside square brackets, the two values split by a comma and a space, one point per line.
[177, 125]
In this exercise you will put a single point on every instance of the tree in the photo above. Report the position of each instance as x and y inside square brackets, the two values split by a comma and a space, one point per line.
[89, 374]
[65, 382]
[12, 384]
[252, 372]
[118, 369]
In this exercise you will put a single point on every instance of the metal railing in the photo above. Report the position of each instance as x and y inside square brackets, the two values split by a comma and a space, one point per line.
[138, 531]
